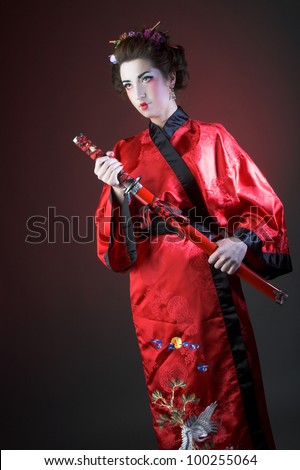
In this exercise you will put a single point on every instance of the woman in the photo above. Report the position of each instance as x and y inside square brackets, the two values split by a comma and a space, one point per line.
[196, 341]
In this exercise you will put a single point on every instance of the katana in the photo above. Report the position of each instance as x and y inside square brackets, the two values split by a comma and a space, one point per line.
[174, 218]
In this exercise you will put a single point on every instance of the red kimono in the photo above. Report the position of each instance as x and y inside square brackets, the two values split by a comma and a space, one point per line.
[195, 336]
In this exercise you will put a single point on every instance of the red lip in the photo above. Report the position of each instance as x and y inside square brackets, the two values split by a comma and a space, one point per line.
[144, 105]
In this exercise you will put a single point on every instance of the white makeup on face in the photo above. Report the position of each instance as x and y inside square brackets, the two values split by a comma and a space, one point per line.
[148, 90]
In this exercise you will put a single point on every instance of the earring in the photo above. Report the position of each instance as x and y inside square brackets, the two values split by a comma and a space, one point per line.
[172, 94]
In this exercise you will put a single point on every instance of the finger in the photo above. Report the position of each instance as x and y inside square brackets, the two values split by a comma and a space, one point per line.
[219, 251]
[113, 180]
[220, 263]
[110, 153]
[233, 269]
[99, 161]
[111, 167]
[102, 159]
[214, 256]
[110, 162]
[107, 176]
[230, 267]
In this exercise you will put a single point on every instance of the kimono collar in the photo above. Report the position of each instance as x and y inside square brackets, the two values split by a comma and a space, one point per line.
[176, 120]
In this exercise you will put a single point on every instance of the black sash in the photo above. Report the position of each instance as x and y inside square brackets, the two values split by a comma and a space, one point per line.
[199, 212]
[222, 284]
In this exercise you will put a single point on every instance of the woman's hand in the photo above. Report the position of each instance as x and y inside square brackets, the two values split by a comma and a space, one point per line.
[229, 254]
[107, 169]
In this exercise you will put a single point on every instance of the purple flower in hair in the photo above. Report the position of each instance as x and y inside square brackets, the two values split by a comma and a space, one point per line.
[157, 38]
[147, 33]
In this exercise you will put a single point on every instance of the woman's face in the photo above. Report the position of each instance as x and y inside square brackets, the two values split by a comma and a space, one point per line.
[147, 89]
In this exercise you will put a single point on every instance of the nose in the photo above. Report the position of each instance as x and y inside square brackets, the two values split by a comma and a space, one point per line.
[140, 92]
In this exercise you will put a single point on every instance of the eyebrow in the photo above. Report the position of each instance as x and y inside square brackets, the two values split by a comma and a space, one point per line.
[139, 76]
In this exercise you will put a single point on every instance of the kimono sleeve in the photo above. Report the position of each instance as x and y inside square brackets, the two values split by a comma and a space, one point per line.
[116, 245]
[251, 210]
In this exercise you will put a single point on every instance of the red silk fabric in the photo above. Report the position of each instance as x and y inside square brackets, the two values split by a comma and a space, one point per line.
[173, 291]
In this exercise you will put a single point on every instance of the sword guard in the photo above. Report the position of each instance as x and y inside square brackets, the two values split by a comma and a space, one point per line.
[130, 184]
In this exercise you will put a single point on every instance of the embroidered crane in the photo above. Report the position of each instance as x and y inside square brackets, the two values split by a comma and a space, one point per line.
[195, 429]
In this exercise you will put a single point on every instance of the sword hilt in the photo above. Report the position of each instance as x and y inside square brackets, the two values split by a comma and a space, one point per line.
[130, 184]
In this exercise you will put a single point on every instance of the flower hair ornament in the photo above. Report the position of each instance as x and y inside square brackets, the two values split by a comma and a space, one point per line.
[148, 34]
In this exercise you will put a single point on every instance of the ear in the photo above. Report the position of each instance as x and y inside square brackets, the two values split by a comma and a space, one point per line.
[172, 79]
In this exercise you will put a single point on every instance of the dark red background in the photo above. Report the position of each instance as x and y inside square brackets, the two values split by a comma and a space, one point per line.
[72, 376]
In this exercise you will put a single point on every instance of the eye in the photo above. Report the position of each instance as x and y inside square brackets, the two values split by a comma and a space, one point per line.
[147, 78]
[127, 86]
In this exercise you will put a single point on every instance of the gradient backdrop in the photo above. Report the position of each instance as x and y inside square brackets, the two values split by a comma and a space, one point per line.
[72, 375]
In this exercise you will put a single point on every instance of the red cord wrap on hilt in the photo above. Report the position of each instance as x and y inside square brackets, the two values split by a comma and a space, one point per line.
[173, 217]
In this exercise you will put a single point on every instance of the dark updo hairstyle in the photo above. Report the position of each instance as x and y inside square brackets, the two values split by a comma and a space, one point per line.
[164, 57]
